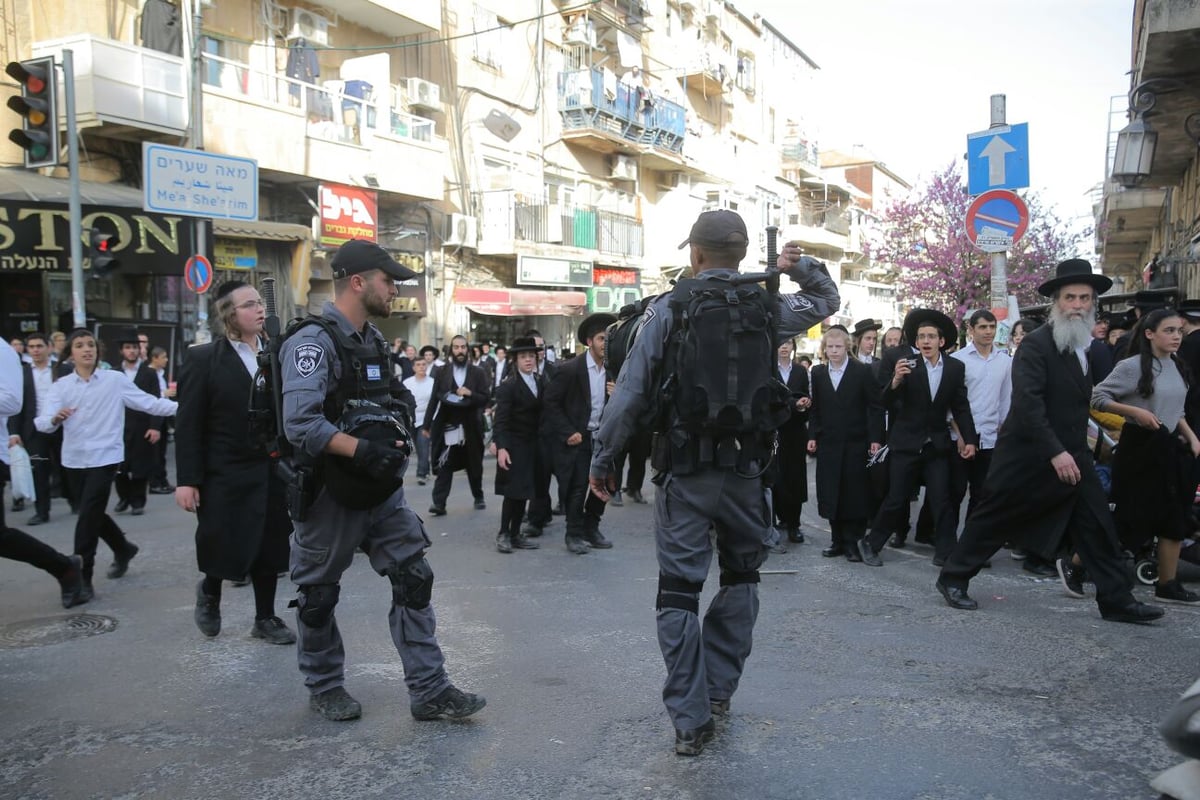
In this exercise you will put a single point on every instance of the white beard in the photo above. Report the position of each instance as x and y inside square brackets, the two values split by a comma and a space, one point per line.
[1071, 334]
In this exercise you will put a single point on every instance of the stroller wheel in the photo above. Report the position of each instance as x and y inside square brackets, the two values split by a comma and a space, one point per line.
[1147, 572]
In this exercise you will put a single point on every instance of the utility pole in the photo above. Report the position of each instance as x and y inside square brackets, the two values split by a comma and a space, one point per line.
[999, 260]
[196, 142]
[74, 201]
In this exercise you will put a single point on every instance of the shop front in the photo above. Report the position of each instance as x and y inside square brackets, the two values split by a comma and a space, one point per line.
[500, 315]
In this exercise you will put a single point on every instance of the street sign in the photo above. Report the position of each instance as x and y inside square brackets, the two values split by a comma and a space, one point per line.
[199, 184]
[198, 274]
[996, 220]
[998, 158]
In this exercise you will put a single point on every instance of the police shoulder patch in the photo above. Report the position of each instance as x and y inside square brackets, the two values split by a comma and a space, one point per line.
[308, 358]
[797, 302]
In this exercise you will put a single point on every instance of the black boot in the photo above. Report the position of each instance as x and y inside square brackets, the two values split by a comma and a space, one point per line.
[208, 612]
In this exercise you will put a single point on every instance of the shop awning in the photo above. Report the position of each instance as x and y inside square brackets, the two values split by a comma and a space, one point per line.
[521, 302]
[277, 231]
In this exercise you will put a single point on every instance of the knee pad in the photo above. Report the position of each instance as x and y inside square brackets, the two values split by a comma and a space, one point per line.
[315, 603]
[412, 583]
[732, 578]
[677, 593]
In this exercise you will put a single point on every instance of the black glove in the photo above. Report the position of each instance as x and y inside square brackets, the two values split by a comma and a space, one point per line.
[378, 459]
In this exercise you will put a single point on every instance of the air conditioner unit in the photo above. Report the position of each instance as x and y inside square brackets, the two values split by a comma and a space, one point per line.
[308, 25]
[582, 33]
[624, 168]
[423, 94]
[463, 232]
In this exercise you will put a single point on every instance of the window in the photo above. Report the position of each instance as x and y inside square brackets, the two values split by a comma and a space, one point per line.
[490, 37]
[745, 73]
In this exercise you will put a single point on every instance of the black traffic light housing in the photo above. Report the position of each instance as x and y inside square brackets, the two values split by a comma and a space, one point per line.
[38, 106]
[100, 252]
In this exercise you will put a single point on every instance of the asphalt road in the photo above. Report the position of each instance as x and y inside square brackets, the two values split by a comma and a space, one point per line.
[862, 683]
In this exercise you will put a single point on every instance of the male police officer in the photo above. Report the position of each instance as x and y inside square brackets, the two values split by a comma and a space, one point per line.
[332, 389]
[704, 663]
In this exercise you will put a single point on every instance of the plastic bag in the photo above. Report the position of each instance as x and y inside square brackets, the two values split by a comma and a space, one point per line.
[22, 473]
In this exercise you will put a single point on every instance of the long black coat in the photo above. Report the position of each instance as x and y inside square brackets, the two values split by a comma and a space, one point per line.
[243, 508]
[568, 406]
[141, 457]
[517, 423]
[793, 440]
[440, 415]
[844, 422]
[915, 417]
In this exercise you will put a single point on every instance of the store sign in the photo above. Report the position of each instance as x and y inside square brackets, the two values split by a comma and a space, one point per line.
[614, 289]
[235, 253]
[347, 212]
[411, 298]
[538, 271]
[36, 237]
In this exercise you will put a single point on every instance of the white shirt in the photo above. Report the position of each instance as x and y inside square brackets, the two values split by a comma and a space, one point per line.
[837, 373]
[866, 358]
[1081, 354]
[501, 366]
[12, 389]
[596, 381]
[94, 436]
[934, 371]
[530, 381]
[785, 372]
[131, 373]
[989, 390]
[422, 390]
[43, 379]
[460, 375]
[248, 354]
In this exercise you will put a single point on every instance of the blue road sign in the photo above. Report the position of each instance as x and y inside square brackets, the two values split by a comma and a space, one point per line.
[998, 158]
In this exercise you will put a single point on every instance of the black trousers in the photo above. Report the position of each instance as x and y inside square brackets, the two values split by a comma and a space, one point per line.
[159, 478]
[92, 488]
[845, 532]
[41, 451]
[540, 514]
[638, 454]
[968, 474]
[131, 490]
[575, 483]
[933, 468]
[472, 462]
[20, 546]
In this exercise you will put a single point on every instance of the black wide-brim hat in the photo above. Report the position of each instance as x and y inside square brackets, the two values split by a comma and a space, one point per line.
[1075, 270]
[1149, 301]
[593, 324]
[524, 344]
[929, 316]
[864, 325]
[128, 336]
[1189, 308]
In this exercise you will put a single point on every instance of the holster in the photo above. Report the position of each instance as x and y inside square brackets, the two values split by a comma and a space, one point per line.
[302, 488]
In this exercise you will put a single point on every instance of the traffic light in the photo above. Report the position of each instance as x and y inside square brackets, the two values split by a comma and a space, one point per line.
[100, 253]
[37, 105]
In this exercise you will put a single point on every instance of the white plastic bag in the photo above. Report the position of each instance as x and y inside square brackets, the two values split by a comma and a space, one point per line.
[22, 473]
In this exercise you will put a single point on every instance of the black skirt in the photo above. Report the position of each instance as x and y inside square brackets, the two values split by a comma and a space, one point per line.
[1153, 485]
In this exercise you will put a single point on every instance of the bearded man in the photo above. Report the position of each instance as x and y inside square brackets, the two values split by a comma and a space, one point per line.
[1042, 483]
[454, 423]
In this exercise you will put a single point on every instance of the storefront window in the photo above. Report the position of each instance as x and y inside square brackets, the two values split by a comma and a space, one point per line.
[97, 300]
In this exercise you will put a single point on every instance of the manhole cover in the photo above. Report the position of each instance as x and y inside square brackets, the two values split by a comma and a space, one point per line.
[52, 630]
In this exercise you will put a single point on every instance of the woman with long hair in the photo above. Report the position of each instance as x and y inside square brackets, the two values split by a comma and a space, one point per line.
[1019, 329]
[1153, 479]
[225, 476]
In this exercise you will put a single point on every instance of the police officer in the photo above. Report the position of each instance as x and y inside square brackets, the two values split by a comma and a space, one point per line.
[332, 390]
[704, 661]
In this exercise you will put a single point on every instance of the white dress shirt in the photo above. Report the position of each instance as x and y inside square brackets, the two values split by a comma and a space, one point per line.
[248, 354]
[866, 358]
[94, 436]
[837, 373]
[43, 379]
[460, 375]
[12, 389]
[501, 366]
[934, 371]
[596, 381]
[530, 381]
[785, 371]
[989, 390]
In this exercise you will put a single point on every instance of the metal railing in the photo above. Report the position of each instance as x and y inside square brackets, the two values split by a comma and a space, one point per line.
[505, 215]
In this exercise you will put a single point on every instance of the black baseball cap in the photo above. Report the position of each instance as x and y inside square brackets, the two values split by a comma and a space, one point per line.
[359, 255]
[720, 230]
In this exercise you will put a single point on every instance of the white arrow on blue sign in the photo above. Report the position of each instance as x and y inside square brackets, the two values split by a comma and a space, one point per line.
[998, 158]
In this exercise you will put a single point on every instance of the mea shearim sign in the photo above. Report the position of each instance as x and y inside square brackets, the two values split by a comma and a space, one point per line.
[199, 184]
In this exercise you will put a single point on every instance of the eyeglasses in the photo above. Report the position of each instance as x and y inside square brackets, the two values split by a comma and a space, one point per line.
[251, 304]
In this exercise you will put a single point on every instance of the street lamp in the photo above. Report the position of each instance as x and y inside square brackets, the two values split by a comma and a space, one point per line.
[1133, 157]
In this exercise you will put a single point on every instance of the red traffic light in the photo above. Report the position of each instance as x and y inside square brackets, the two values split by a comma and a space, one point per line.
[100, 252]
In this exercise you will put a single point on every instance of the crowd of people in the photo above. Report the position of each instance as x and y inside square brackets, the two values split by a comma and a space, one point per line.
[881, 414]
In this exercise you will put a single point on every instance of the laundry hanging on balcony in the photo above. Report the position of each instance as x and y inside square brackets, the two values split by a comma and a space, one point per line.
[161, 29]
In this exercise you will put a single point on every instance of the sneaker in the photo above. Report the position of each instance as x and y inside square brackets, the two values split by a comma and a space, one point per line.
[208, 612]
[452, 703]
[120, 563]
[336, 705]
[1174, 592]
[1071, 577]
[71, 583]
[691, 743]
[273, 631]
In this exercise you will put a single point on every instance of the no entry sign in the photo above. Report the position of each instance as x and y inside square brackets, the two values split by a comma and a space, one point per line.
[996, 220]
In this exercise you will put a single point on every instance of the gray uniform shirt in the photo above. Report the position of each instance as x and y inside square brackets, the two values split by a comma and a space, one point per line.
[309, 365]
[639, 379]
[1170, 392]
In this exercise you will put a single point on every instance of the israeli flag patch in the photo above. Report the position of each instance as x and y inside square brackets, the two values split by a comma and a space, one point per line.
[373, 372]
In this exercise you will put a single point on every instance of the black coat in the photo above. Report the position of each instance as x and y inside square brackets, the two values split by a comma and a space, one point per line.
[517, 423]
[141, 457]
[21, 423]
[567, 408]
[243, 510]
[844, 422]
[915, 418]
[1100, 360]
[440, 415]
[793, 439]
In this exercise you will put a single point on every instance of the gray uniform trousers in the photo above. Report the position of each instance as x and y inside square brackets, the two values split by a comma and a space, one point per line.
[323, 546]
[704, 662]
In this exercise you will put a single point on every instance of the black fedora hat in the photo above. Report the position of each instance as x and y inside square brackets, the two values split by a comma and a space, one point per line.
[127, 336]
[524, 344]
[929, 316]
[837, 327]
[1148, 301]
[1189, 308]
[593, 324]
[864, 325]
[1075, 270]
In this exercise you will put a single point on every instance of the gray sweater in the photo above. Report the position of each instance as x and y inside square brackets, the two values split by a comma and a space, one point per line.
[1166, 403]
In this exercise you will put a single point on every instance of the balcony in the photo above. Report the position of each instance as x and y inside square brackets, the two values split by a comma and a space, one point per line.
[134, 92]
[1168, 40]
[630, 16]
[1128, 220]
[390, 17]
[707, 73]
[335, 132]
[821, 227]
[511, 224]
[619, 118]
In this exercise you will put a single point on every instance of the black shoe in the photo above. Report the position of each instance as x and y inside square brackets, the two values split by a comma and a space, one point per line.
[452, 703]
[957, 598]
[521, 542]
[208, 612]
[691, 743]
[719, 708]
[86, 592]
[1072, 578]
[1133, 612]
[795, 535]
[869, 556]
[596, 540]
[122, 505]
[1174, 592]
[938, 561]
[162, 488]
[437, 511]
[335, 704]
[504, 542]
[420, 481]
[18, 505]
[480, 505]
[577, 546]
[616, 499]
[71, 583]
[833, 551]
[557, 511]
[531, 531]
[635, 495]
[37, 519]
[898, 542]
[852, 554]
[273, 631]
[1038, 567]
[137, 511]
[1016, 554]
[120, 563]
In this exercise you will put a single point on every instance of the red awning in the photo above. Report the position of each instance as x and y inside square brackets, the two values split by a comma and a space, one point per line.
[521, 302]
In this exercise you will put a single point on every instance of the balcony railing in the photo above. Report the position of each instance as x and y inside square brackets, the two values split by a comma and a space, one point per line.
[802, 150]
[587, 101]
[507, 217]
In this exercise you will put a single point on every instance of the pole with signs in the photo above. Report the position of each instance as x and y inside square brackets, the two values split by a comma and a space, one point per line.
[74, 201]
[999, 260]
